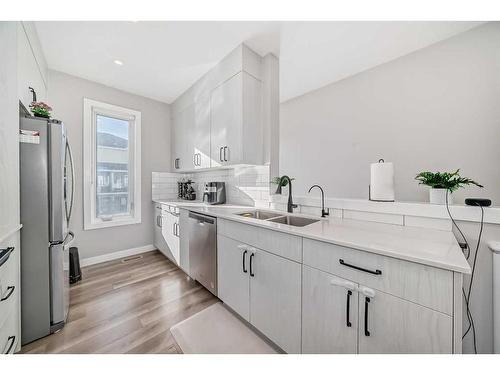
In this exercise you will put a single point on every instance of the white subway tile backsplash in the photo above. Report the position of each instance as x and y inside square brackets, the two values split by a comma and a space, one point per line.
[247, 185]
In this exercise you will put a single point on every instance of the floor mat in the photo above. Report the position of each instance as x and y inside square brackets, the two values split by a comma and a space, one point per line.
[216, 330]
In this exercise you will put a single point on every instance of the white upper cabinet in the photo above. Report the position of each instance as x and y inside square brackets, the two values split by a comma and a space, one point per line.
[31, 67]
[236, 124]
[182, 142]
[199, 134]
[218, 121]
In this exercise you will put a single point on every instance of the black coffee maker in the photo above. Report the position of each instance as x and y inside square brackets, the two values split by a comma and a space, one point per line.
[215, 193]
[185, 190]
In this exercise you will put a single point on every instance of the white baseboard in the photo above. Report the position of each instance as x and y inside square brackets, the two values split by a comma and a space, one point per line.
[116, 255]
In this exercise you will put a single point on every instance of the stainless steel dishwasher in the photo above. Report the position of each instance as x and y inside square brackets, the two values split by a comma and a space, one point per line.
[203, 250]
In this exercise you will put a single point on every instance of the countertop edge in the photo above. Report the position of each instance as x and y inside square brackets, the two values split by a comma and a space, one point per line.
[304, 234]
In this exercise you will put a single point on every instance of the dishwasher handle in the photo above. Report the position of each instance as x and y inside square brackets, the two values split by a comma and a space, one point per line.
[202, 218]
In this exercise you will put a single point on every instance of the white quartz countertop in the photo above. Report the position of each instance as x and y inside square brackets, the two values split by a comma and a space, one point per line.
[194, 204]
[420, 245]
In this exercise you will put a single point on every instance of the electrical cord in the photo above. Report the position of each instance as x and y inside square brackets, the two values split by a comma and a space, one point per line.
[456, 226]
[468, 294]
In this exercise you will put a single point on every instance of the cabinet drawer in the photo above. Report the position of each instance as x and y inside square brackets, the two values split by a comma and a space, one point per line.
[8, 285]
[9, 335]
[428, 286]
[167, 209]
[275, 242]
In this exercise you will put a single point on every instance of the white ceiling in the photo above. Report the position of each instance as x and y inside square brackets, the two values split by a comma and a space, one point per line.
[162, 59]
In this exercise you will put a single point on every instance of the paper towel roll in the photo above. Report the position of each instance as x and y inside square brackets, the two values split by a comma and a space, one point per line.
[382, 181]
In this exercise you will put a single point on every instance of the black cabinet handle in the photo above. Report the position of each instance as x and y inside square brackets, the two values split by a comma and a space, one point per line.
[376, 272]
[225, 148]
[244, 261]
[12, 340]
[220, 154]
[367, 301]
[251, 264]
[5, 254]
[348, 320]
[11, 290]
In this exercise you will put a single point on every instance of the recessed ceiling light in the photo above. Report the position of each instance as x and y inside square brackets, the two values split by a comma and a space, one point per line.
[118, 62]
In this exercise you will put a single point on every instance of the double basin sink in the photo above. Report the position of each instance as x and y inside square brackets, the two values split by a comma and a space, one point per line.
[275, 217]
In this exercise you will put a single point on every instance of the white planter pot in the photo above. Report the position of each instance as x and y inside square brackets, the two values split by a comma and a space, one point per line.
[438, 196]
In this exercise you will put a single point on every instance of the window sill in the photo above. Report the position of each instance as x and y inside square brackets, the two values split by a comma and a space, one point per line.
[112, 223]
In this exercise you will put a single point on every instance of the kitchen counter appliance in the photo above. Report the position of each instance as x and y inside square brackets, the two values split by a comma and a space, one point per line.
[203, 250]
[215, 192]
[185, 190]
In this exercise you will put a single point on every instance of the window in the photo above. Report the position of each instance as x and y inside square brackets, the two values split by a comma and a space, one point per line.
[112, 165]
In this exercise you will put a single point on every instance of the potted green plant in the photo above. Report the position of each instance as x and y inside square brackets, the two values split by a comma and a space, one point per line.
[442, 184]
[282, 183]
[40, 109]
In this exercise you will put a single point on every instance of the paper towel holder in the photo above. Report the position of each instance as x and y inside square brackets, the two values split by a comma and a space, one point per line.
[369, 189]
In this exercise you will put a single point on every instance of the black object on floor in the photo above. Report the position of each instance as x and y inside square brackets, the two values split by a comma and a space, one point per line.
[75, 273]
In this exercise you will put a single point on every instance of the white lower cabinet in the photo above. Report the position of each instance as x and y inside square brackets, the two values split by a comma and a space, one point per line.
[10, 322]
[184, 241]
[275, 303]
[232, 275]
[389, 324]
[263, 288]
[166, 233]
[329, 313]
[159, 240]
[9, 334]
[385, 324]
[170, 232]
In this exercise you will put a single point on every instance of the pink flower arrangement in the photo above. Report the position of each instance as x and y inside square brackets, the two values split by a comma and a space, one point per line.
[40, 109]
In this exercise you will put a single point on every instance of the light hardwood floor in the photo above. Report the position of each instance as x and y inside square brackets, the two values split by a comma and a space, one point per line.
[127, 306]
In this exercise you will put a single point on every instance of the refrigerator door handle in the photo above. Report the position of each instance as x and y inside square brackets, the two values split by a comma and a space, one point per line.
[70, 211]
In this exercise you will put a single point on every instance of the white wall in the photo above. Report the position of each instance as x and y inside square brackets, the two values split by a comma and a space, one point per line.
[435, 109]
[66, 97]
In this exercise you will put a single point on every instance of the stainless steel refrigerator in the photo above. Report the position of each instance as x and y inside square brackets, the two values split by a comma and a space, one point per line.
[47, 188]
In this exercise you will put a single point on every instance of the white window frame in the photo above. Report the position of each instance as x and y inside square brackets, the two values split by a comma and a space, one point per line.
[90, 109]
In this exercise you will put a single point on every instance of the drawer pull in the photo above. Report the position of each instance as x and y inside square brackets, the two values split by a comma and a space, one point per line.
[376, 272]
[349, 294]
[11, 290]
[367, 301]
[5, 254]
[12, 340]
